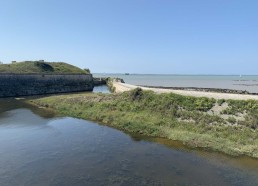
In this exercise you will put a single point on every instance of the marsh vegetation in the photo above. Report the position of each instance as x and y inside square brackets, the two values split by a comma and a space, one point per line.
[222, 125]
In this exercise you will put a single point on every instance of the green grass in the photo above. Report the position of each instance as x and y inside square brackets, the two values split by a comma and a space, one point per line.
[171, 116]
[41, 67]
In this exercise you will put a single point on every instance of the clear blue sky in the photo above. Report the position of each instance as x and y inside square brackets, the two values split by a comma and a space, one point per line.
[135, 36]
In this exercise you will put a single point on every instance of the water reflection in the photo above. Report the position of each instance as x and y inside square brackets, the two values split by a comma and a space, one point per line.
[8, 104]
[241, 162]
[101, 89]
[38, 150]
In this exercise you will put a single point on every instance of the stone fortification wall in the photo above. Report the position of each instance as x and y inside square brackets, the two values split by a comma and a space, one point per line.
[100, 81]
[36, 84]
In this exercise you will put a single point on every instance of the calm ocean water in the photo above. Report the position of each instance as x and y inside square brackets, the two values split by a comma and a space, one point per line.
[248, 83]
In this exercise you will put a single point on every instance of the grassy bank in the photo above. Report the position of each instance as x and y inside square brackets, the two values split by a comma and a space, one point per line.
[41, 67]
[226, 126]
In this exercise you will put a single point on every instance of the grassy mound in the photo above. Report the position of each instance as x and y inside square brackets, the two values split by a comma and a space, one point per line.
[41, 67]
[184, 118]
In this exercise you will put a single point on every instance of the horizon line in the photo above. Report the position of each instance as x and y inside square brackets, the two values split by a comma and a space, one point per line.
[174, 74]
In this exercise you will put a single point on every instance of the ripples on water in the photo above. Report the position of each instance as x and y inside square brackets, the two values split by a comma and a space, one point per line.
[37, 148]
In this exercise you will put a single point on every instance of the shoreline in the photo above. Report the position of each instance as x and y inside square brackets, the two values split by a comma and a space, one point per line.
[227, 126]
[199, 89]
[122, 87]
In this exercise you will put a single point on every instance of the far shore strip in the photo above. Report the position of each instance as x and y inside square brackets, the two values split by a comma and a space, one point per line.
[122, 87]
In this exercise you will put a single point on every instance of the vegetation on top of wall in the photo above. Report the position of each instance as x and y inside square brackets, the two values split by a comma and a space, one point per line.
[87, 70]
[41, 67]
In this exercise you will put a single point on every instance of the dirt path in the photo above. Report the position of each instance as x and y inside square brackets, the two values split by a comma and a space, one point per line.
[121, 87]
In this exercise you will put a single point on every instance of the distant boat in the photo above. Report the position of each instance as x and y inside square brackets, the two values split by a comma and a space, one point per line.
[127, 74]
[240, 76]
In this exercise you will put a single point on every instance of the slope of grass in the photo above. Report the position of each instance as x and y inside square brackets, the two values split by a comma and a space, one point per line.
[170, 116]
[41, 67]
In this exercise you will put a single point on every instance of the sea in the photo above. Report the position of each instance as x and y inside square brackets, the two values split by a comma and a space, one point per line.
[235, 82]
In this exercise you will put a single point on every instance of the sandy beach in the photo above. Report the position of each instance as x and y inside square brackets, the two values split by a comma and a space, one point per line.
[122, 87]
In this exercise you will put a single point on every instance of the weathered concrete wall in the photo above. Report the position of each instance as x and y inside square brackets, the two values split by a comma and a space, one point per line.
[36, 84]
[100, 81]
